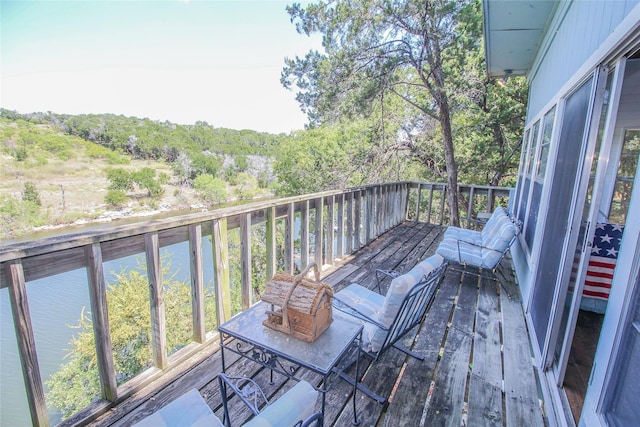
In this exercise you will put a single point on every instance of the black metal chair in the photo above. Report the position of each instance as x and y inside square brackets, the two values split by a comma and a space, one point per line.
[387, 319]
[295, 408]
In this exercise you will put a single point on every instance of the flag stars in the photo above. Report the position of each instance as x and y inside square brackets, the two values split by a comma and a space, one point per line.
[606, 238]
[612, 252]
[595, 250]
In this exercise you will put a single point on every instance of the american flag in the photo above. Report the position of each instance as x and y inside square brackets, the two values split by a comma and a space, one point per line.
[602, 262]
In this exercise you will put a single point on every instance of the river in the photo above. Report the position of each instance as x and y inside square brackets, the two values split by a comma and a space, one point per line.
[55, 305]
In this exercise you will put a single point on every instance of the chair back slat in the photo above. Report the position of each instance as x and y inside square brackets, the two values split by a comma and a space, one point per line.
[413, 307]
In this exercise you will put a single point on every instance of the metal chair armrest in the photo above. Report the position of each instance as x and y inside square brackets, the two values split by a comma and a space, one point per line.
[315, 420]
[246, 389]
[352, 311]
[388, 273]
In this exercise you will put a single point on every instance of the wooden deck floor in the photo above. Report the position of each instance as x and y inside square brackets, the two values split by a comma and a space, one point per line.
[477, 370]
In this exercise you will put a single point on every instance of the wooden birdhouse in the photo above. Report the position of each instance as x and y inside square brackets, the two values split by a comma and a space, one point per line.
[299, 307]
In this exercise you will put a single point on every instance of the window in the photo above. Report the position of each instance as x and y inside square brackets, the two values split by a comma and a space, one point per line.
[621, 407]
[537, 173]
[529, 156]
[524, 156]
[625, 176]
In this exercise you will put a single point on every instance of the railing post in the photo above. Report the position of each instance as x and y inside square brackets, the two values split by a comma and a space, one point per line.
[221, 269]
[418, 201]
[100, 320]
[490, 200]
[442, 202]
[156, 298]
[197, 282]
[350, 213]
[271, 241]
[383, 204]
[357, 243]
[245, 260]
[319, 235]
[405, 202]
[288, 238]
[369, 215]
[340, 231]
[304, 234]
[330, 232]
[472, 190]
[26, 343]
[429, 203]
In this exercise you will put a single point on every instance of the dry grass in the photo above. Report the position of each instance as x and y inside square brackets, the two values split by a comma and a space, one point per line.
[73, 191]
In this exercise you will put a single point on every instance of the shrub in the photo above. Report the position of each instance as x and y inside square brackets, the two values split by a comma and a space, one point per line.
[17, 216]
[210, 189]
[20, 154]
[146, 178]
[30, 194]
[120, 179]
[115, 197]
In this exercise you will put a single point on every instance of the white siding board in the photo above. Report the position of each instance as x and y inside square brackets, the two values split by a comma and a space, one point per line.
[584, 28]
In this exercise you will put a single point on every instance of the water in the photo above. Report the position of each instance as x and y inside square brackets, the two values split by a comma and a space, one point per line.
[56, 304]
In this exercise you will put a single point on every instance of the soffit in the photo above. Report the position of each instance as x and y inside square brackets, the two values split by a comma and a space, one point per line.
[514, 30]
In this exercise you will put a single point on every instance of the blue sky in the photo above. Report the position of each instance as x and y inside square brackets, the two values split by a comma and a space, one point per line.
[176, 60]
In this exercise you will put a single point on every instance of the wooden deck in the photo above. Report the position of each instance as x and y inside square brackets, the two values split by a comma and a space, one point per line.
[477, 370]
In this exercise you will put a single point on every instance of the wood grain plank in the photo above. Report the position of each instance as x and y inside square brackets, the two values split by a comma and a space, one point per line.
[418, 201]
[318, 255]
[447, 401]
[156, 298]
[289, 225]
[357, 231]
[485, 404]
[411, 395]
[521, 397]
[221, 280]
[270, 214]
[487, 353]
[340, 226]
[26, 343]
[245, 262]
[197, 282]
[465, 310]
[100, 319]
[304, 234]
[329, 231]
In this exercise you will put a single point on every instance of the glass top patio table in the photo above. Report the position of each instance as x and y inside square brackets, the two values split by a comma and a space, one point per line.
[321, 356]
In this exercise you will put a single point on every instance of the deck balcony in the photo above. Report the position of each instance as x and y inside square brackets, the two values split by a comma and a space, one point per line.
[477, 369]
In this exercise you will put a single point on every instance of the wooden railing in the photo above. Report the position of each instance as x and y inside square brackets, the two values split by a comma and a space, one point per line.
[328, 226]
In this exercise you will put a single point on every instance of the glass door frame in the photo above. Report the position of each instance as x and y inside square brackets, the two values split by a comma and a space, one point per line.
[555, 368]
[560, 288]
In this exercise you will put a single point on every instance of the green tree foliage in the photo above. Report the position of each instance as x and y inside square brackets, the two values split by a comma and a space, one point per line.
[247, 186]
[18, 216]
[326, 157]
[204, 163]
[146, 178]
[416, 67]
[76, 384]
[211, 190]
[30, 194]
[120, 179]
[116, 198]
[377, 47]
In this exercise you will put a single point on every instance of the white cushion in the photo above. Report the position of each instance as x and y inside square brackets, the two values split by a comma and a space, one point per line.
[190, 409]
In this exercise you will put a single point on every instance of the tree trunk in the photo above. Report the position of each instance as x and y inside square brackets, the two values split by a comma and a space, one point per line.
[450, 162]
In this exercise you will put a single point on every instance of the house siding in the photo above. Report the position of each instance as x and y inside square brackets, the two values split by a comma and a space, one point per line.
[580, 31]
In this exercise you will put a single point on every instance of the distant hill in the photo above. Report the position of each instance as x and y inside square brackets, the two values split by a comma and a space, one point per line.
[67, 157]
